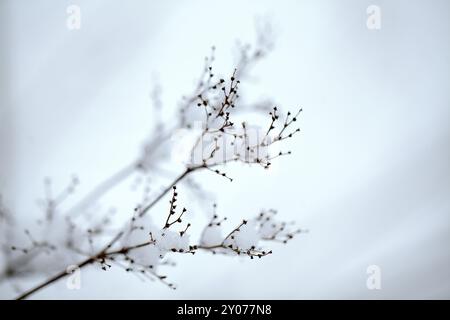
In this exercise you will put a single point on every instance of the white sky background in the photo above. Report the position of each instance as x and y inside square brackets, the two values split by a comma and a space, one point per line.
[369, 175]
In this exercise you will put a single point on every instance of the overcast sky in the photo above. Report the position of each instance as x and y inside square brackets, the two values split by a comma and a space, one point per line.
[369, 176]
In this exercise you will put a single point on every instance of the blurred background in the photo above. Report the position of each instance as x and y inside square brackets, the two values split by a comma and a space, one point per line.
[369, 175]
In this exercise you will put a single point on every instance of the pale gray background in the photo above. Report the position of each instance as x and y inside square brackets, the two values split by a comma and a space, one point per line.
[370, 174]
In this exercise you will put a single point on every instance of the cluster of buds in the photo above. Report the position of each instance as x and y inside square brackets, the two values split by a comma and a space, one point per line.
[144, 257]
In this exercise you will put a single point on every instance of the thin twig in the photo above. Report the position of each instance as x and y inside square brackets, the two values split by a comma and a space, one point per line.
[103, 253]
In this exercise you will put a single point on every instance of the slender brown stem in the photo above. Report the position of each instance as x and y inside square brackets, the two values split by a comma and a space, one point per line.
[233, 231]
[55, 278]
[128, 249]
[104, 252]
[167, 189]
[64, 273]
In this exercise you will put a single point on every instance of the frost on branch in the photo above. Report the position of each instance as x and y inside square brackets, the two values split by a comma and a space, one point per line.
[247, 56]
[145, 248]
[221, 139]
[248, 237]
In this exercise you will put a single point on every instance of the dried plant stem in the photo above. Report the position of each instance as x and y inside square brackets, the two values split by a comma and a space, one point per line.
[53, 279]
[103, 253]
[217, 98]
[103, 188]
[166, 190]
[64, 273]
[90, 198]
